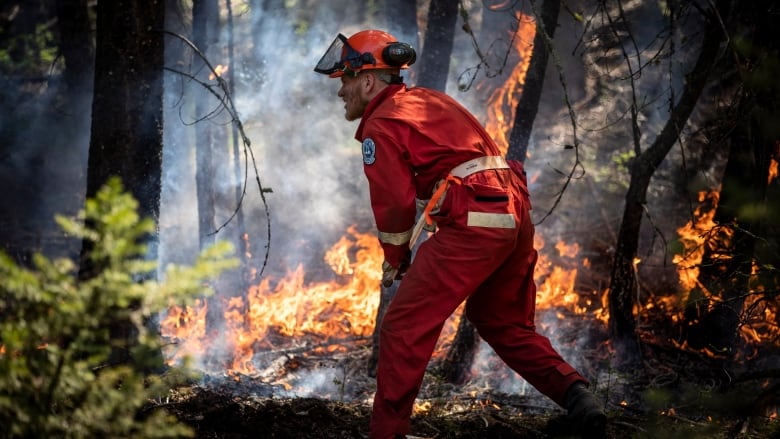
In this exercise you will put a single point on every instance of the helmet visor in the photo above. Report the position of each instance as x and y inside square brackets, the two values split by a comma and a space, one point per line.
[333, 59]
[341, 57]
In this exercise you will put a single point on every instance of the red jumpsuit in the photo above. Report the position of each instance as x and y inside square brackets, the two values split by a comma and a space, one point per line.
[482, 251]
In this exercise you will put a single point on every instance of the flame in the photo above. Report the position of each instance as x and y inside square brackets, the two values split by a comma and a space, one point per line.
[703, 233]
[321, 311]
[322, 316]
[219, 70]
[692, 237]
[772, 171]
[503, 101]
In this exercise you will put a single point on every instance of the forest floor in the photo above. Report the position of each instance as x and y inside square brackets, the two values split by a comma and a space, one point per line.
[671, 394]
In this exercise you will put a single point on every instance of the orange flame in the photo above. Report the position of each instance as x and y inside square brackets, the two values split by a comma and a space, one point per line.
[342, 309]
[692, 237]
[501, 111]
[219, 70]
[700, 234]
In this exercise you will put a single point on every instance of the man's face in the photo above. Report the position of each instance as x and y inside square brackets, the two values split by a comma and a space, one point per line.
[353, 94]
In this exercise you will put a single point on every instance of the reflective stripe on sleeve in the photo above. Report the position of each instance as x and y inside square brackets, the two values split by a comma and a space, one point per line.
[497, 220]
[395, 238]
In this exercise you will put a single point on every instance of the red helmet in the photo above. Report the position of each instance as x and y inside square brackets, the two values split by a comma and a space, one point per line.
[367, 49]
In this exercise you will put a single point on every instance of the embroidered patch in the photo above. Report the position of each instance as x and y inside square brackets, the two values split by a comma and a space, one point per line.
[369, 151]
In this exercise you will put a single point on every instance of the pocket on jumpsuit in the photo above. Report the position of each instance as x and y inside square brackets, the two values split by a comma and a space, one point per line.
[490, 207]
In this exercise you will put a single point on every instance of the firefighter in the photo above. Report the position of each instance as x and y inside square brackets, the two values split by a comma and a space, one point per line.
[421, 144]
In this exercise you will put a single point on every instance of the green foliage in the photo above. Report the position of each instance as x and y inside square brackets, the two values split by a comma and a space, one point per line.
[56, 331]
[29, 54]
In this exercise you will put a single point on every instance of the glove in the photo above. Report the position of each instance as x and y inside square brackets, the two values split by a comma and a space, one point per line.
[391, 274]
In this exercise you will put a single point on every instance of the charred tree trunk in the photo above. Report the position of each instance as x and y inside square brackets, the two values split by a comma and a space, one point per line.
[460, 356]
[176, 144]
[528, 105]
[77, 50]
[385, 296]
[127, 121]
[205, 16]
[205, 35]
[241, 242]
[623, 284]
[437, 46]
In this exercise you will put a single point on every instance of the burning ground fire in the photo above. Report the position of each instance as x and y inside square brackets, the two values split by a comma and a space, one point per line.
[326, 315]
[323, 318]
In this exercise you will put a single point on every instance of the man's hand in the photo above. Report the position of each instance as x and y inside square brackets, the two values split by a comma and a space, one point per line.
[391, 274]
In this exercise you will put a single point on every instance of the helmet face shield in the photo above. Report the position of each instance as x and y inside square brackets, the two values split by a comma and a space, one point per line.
[331, 60]
[341, 58]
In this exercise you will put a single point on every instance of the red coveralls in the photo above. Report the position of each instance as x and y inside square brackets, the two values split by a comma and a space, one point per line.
[482, 252]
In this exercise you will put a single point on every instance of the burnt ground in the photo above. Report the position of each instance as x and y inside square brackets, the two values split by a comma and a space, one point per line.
[672, 394]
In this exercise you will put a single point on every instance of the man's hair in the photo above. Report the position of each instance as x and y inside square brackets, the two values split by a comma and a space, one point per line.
[390, 76]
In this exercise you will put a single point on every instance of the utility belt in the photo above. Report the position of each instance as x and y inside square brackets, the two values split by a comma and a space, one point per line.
[457, 173]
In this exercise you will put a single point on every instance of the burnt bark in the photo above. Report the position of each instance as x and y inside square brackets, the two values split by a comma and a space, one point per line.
[623, 285]
[126, 135]
[205, 16]
[385, 296]
[456, 366]
[437, 46]
[77, 49]
[127, 120]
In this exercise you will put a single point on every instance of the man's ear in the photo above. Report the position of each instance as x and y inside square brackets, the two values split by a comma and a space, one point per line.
[368, 80]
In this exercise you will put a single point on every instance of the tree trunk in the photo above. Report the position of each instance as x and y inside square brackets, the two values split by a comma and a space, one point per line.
[385, 296]
[437, 48]
[623, 286]
[205, 16]
[77, 50]
[528, 105]
[127, 118]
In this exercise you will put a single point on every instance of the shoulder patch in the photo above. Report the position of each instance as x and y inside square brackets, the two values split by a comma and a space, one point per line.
[369, 151]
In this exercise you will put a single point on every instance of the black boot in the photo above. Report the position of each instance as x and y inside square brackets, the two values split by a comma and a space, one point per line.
[585, 411]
